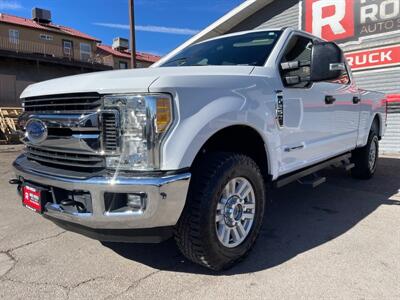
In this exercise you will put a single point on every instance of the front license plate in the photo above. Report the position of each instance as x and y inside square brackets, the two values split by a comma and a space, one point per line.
[32, 198]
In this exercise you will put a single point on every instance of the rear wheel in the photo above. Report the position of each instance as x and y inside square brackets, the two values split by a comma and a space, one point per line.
[224, 211]
[366, 158]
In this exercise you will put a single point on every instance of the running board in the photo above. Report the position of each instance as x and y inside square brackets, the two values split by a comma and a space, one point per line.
[343, 160]
[312, 180]
[349, 166]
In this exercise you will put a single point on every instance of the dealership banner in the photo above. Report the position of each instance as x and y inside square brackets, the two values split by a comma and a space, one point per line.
[350, 20]
[374, 58]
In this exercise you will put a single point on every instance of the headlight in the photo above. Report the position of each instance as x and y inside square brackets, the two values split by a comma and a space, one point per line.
[144, 120]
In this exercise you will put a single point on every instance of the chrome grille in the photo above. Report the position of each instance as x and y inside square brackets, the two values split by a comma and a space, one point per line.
[80, 132]
[69, 160]
[84, 102]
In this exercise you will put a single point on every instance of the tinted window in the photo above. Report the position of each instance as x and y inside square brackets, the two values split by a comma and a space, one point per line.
[251, 49]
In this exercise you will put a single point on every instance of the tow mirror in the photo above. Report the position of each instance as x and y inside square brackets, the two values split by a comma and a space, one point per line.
[295, 65]
[327, 62]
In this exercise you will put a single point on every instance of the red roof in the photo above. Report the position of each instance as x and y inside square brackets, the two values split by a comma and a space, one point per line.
[127, 54]
[147, 57]
[4, 18]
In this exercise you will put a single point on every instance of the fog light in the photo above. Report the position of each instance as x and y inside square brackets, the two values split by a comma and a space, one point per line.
[136, 201]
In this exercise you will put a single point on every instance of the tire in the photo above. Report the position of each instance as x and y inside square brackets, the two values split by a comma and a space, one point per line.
[199, 235]
[366, 158]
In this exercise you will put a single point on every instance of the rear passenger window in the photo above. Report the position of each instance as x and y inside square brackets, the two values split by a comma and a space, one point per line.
[298, 49]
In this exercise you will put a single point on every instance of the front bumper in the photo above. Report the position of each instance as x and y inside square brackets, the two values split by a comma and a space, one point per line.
[166, 197]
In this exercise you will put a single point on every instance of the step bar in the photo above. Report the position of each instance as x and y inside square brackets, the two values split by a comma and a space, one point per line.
[341, 160]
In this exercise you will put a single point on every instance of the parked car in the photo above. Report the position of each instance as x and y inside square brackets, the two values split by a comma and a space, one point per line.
[191, 148]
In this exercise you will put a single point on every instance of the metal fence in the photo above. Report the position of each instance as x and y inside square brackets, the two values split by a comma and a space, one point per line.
[46, 50]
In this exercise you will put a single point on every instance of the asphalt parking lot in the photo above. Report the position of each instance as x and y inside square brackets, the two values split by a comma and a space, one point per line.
[339, 241]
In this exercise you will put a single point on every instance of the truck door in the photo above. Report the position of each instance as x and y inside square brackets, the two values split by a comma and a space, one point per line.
[305, 112]
[346, 101]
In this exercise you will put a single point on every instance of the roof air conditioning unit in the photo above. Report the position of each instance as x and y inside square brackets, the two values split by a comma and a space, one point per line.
[41, 15]
[120, 44]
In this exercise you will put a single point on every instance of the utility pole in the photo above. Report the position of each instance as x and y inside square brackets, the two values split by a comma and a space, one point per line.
[133, 35]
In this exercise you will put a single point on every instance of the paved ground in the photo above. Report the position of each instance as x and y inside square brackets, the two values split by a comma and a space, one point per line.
[339, 241]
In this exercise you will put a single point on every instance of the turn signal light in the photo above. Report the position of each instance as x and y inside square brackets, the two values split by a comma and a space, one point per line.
[164, 114]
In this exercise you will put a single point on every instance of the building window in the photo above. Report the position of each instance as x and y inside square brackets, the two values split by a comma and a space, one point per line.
[13, 36]
[123, 65]
[67, 48]
[46, 37]
[86, 51]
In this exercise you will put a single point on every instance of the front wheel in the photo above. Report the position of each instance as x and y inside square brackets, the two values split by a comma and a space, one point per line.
[366, 158]
[224, 210]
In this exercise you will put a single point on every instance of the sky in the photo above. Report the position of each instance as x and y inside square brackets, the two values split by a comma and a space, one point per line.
[161, 25]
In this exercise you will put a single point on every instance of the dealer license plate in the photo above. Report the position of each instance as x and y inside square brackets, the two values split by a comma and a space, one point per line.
[32, 198]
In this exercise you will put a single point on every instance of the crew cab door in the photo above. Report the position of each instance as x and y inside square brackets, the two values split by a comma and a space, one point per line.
[315, 124]
[346, 106]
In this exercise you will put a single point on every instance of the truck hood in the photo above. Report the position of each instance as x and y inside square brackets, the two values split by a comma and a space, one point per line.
[125, 81]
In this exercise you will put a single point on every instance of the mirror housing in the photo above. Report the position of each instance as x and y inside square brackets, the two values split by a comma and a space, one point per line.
[327, 62]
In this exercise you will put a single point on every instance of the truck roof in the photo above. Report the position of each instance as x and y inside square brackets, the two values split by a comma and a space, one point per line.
[240, 33]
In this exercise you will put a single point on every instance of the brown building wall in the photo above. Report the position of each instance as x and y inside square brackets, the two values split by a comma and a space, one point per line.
[139, 63]
[114, 61]
[30, 41]
[143, 64]
[117, 60]
[16, 74]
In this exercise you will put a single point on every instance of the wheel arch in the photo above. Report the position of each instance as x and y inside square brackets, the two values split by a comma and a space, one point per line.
[251, 143]
[378, 121]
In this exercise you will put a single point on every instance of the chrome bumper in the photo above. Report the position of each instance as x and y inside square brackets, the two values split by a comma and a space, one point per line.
[166, 198]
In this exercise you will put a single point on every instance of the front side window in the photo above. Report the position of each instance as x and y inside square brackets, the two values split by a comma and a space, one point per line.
[13, 36]
[299, 48]
[251, 49]
[86, 51]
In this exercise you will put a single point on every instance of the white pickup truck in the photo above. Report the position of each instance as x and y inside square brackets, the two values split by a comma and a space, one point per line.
[191, 147]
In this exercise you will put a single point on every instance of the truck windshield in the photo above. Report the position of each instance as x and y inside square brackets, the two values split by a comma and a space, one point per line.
[251, 49]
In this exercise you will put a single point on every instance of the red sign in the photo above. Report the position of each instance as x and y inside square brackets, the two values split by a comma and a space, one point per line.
[331, 20]
[31, 198]
[394, 98]
[350, 20]
[374, 58]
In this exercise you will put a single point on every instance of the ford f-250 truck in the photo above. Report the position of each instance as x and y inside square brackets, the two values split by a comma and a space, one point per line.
[191, 147]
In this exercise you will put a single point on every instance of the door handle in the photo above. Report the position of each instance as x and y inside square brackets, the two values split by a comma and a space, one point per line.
[330, 99]
[356, 100]
[290, 149]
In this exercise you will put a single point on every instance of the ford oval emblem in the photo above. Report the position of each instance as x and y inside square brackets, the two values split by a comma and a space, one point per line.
[36, 131]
